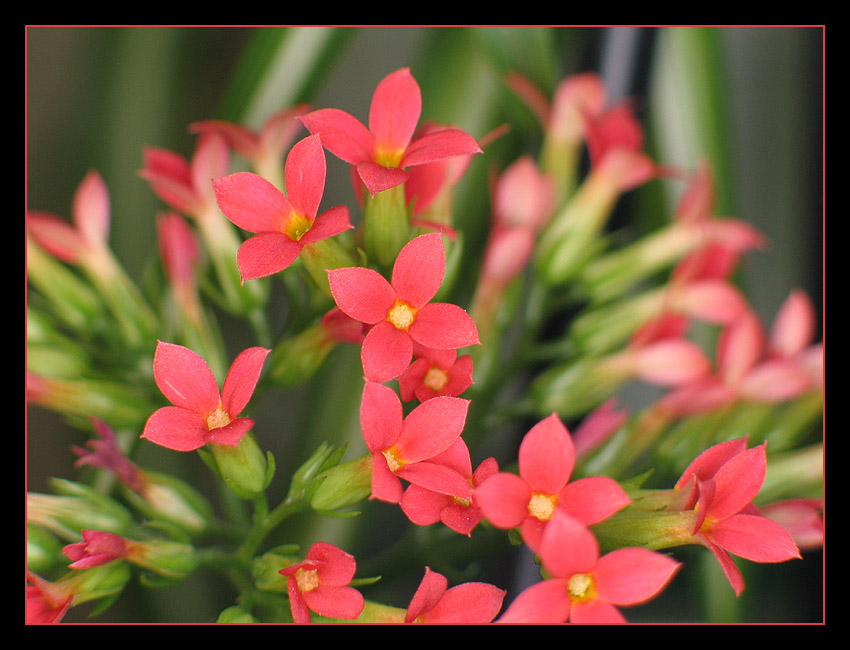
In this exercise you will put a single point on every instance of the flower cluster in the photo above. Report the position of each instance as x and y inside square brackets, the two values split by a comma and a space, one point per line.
[434, 380]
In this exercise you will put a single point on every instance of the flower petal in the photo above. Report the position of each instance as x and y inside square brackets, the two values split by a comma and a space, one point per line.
[437, 478]
[231, 434]
[592, 499]
[342, 134]
[568, 547]
[596, 612]
[629, 576]
[705, 465]
[251, 202]
[90, 210]
[386, 486]
[304, 175]
[335, 602]
[754, 538]
[361, 293]
[423, 506]
[504, 499]
[431, 428]
[395, 110]
[380, 416]
[443, 326]
[241, 379]
[439, 145]
[469, 603]
[544, 603]
[386, 352]
[546, 457]
[738, 482]
[185, 378]
[335, 566]
[329, 223]
[378, 178]
[427, 595]
[418, 270]
[176, 428]
[265, 254]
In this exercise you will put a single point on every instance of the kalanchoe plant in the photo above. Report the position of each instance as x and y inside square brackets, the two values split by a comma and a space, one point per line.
[435, 380]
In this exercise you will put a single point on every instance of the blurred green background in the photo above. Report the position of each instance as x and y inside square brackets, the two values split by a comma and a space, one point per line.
[749, 98]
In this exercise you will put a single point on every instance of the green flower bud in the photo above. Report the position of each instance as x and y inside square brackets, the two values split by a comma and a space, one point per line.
[386, 225]
[344, 485]
[244, 468]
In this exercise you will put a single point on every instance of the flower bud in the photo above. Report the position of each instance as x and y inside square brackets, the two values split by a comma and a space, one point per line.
[243, 468]
[386, 227]
[344, 485]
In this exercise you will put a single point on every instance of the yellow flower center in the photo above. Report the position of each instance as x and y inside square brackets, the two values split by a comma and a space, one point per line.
[218, 418]
[542, 506]
[401, 315]
[307, 579]
[297, 225]
[390, 158]
[581, 587]
[435, 379]
[394, 461]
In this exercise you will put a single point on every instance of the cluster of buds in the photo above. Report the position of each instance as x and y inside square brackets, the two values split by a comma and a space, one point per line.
[435, 377]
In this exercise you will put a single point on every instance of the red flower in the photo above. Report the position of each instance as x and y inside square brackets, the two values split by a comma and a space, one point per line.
[320, 584]
[46, 602]
[435, 372]
[469, 603]
[725, 479]
[586, 588]
[404, 447]
[425, 507]
[400, 311]
[98, 547]
[380, 152]
[284, 223]
[530, 500]
[200, 413]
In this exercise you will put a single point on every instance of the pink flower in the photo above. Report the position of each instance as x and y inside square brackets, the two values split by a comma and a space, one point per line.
[46, 602]
[185, 185]
[88, 236]
[435, 372]
[200, 413]
[321, 584]
[106, 454]
[404, 447]
[469, 603]
[586, 588]
[284, 223]
[400, 311]
[530, 500]
[380, 152]
[725, 479]
[425, 507]
[98, 547]
[802, 518]
[264, 148]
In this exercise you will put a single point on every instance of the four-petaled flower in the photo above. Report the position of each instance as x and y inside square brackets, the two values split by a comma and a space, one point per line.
[425, 507]
[725, 479]
[380, 152]
[467, 604]
[403, 447]
[584, 587]
[200, 414]
[284, 224]
[321, 584]
[400, 311]
[435, 372]
[542, 488]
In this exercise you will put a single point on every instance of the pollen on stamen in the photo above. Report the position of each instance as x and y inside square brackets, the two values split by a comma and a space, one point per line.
[436, 379]
[581, 587]
[218, 418]
[542, 506]
[307, 580]
[401, 315]
[393, 461]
